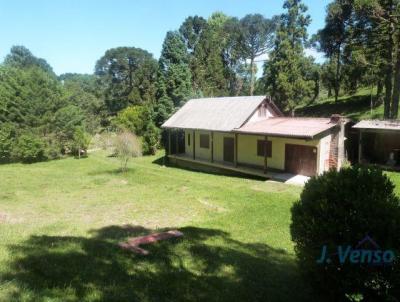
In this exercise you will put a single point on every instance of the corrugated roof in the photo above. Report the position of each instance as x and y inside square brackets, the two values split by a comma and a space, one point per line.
[218, 114]
[289, 127]
[377, 124]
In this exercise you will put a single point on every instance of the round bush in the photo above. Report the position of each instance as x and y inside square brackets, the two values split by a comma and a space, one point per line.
[340, 209]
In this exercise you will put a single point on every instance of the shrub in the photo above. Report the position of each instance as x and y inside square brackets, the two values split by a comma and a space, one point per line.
[126, 146]
[29, 148]
[130, 118]
[80, 142]
[151, 139]
[7, 141]
[340, 209]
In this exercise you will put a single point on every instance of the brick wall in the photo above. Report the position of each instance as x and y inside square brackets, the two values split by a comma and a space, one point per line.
[334, 151]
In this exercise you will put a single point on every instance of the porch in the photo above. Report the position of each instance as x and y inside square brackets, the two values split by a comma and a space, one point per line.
[272, 174]
[379, 145]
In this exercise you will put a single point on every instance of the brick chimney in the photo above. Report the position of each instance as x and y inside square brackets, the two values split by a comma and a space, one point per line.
[337, 152]
[336, 118]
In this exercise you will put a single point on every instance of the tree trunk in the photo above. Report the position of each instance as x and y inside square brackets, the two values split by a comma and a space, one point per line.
[251, 76]
[337, 76]
[316, 89]
[329, 91]
[396, 88]
[389, 73]
[379, 90]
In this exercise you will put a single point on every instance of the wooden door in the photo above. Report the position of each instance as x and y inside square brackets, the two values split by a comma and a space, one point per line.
[229, 149]
[301, 159]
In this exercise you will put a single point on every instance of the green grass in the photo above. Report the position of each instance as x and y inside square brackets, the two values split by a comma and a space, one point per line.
[60, 223]
[356, 107]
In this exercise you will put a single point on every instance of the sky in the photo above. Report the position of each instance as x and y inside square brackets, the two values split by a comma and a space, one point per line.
[71, 35]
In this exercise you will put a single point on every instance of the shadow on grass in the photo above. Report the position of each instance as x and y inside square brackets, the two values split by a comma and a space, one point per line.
[201, 168]
[351, 107]
[115, 171]
[204, 265]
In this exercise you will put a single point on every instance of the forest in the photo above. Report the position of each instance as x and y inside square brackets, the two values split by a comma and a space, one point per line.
[46, 116]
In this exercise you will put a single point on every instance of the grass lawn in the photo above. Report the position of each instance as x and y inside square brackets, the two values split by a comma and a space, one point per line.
[60, 222]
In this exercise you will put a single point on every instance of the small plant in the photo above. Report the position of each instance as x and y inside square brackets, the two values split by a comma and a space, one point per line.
[126, 146]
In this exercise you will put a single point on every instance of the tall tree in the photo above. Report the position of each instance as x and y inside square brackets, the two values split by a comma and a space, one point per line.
[174, 69]
[81, 90]
[128, 75]
[22, 57]
[208, 65]
[334, 36]
[256, 38]
[381, 20]
[191, 31]
[286, 74]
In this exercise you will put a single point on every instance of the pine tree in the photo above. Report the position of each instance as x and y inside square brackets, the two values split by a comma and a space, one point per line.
[286, 71]
[174, 69]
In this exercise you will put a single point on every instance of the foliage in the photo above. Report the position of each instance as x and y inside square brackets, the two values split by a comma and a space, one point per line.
[80, 142]
[82, 90]
[340, 209]
[29, 148]
[207, 62]
[256, 38]
[126, 146]
[286, 73]
[174, 69]
[7, 141]
[66, 120]
[132, 119]
[127, 75]
[191, 31]
[21, 57]
[334, 37]
[151, 139]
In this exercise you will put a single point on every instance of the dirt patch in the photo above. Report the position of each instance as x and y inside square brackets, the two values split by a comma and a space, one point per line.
[209, 205]
[118, 182]
[6, 218]
[183, 189]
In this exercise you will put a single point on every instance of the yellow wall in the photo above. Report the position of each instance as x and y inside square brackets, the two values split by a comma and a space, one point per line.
[247, 149]
[189, 145]
[219, 145]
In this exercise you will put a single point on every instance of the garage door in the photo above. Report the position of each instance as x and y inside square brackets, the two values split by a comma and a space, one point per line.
[301, 159]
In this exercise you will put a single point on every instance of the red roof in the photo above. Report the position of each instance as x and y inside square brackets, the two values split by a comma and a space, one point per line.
[288, 127]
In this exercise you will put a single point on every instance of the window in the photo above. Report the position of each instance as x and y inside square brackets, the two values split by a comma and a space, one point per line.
[264, 146]
[188, 139]
[204, 141]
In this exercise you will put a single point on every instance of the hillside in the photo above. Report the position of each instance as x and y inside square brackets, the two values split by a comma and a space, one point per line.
[355, 107]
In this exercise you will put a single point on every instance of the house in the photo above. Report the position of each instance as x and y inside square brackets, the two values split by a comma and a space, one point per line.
[249, 134]
[379, 143]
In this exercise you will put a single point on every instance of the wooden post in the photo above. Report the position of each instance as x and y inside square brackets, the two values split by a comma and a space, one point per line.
[265, 154]
[360, 147]
[169, 142]
[176, 142]
[194, 145]
[212, 146]
[236, 155]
